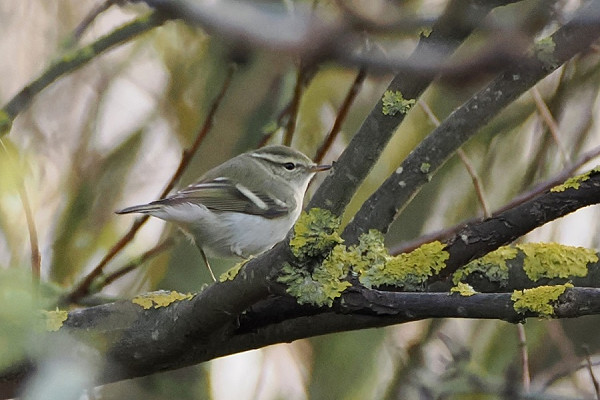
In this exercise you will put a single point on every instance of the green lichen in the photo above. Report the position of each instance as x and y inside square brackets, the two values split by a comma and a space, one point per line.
[425, 167]
[311, 280]
[394, 103]
[370, 253]
[539, 300]
[492, 266]
[55, 319]
[425, 31]
[544, 51]
[160, 299]
[77, 56]
[553, 260]
[232, 272]
[575, 181]
[322, 286]
[410, 270]
[315, 234]
[464, 289]
[327, 281]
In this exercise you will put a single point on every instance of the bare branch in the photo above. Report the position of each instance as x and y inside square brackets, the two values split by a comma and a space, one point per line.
[149, 254]
[379, 211]
[550, 122]
[526, 377]
[464, 159]
[87, 21]
[294, 107]
[341, 115]
[477, 239]
[520, 199]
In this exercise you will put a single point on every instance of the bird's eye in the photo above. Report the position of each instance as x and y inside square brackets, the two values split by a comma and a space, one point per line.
[289, 166]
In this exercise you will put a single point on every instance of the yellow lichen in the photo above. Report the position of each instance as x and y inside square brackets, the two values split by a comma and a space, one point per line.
[409, 270]
[232, 272]
[464, 289]
[55, 319]
[394, 103]
[320, 287]
[493, 266]
[575, 181]
[539, 300]
[425, 31]
[553, 260]
[160, 299]
[544, 51]
[370, 253]
[315, 234]
[311, 280]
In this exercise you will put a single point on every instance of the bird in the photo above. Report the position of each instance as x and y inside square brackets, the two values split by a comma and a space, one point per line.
[242, 207]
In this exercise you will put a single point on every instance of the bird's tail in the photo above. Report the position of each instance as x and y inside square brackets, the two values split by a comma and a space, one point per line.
[144, 209]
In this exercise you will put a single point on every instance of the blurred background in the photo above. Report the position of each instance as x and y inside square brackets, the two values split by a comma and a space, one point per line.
[111, 134]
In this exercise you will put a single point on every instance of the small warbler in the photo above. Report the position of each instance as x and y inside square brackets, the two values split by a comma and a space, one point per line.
[242, 207]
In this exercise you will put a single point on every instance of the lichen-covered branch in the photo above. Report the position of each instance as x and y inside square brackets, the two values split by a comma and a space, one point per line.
[379, 211]
[167, 330]
[147, 339]
[479, 238]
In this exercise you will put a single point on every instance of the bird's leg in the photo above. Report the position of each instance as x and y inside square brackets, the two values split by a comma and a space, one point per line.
[207, 263]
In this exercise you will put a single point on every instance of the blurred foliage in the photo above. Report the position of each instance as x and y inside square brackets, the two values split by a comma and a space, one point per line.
[111, 134]
[18, 316]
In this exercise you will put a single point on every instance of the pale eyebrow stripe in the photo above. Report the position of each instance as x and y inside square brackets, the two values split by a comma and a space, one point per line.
[269, 157]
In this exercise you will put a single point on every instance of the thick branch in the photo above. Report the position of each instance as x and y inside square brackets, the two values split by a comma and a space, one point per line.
[143, 342]
[379, 211]
[363, 308]
[366, 146]
[479, 238]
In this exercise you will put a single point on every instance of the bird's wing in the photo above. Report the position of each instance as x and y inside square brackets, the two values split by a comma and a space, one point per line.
[222, 194]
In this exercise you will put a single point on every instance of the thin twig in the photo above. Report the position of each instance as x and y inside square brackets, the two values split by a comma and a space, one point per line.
[591, 371]
[391, 198]
[570, 369]
[524, 358]
[268, 134]
[550, 122]
[341, 115]
[87, 21]
[36, 258]
[520, 199]
[476, 182]
[83, 288]
[465, 160]
[149, 254]
[294, 106]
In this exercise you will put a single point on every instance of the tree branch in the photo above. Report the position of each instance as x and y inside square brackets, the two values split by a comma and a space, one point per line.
[380, 210]
[366, 146]
[479, 238]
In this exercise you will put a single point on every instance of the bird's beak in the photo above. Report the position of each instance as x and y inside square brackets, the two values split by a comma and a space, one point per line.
[322, 167]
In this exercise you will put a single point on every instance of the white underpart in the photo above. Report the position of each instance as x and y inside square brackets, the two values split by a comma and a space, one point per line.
[229, 234]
